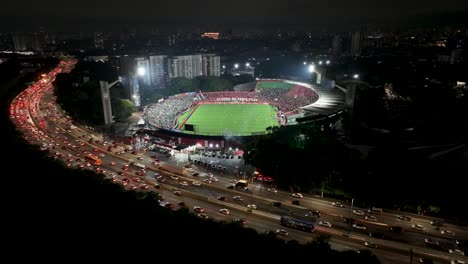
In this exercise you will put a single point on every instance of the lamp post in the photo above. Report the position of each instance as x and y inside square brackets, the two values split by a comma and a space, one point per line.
[352, 204]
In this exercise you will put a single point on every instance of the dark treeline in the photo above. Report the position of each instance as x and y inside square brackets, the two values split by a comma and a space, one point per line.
[305, 158]
[54, 213]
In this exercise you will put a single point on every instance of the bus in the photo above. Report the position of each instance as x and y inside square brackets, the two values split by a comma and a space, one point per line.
[93, 160]
[297, 223]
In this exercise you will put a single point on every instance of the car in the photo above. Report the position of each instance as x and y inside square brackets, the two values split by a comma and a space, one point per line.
[325, 223]
[436, 223]
[178, 193]
[182, 204]
[313, 214]
[198, 209]
[457, 261]
[447, 232]
[169, 205]
[273, 190]
[431, 242]
[174, 177]
[358, 212]
[277, 204]
[297, 195]
[295, 202]
[282, 232]
[417, 226]
[224, 211]
[350, 221]
[359, 226]
[222, 198]
[196, 183]
[157, 186]
[456, 252]
[370, 244]
[131, 186]
[396, 229]
[184, 183]
[252, 206]
[376, 235]
[371, 218]
[144, 186]
[338, 204]
[240, 221]
[204, 216]
[237, 198]
[404, 218]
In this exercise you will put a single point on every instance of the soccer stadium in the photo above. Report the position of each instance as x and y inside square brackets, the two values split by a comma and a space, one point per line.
[250, 110]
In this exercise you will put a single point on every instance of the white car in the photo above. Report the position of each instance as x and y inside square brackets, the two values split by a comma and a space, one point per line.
[237, 198]
[184, 183]
[297, 195]
[199, 209]
[457, 261]
[360, 226]
[273, 190]
[282, 232]
[196, 183]
[358, 212]
[252, 206]
[174, 177]
[447, 232]
[371, 218]
[456, 252]
[325, 223]
[417, 226]
[224, 211]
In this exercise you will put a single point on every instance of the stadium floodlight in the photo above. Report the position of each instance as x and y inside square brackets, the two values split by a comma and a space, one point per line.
[320, 62]
[141, 71]
[224, 66]
[230, 148]
[211, 145]
[236, 66]
[247, 64]
[305, 62]
[311, 68]
[356, 76]
[328, 62]
[217, 145]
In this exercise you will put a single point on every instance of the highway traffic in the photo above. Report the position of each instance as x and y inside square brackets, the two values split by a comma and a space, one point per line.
[390, 236]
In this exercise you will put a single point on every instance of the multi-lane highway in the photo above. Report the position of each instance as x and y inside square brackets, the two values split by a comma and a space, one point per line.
[42, 122]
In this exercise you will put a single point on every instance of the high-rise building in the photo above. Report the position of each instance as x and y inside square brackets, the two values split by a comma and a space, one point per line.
[356, 44]
[188, 66]
[143, 70]
[98, 40]
[336, 46]
[158, 71]
[211, 65]
[20, 42]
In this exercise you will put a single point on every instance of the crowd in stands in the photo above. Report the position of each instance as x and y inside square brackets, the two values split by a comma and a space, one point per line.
[163, 114]
[287, 99]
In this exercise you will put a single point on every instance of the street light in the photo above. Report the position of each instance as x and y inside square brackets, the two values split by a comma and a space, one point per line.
[311, 68]
[352, 204]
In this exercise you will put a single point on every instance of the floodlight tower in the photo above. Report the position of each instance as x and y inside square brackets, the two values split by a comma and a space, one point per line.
[106, 102]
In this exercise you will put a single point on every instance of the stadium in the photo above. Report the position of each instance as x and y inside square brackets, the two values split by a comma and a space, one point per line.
[252, 109]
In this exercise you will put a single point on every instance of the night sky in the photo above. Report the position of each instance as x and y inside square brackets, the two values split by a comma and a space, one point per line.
[221, 12]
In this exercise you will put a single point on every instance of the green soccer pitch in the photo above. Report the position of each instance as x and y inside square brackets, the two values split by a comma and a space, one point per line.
[230, 119]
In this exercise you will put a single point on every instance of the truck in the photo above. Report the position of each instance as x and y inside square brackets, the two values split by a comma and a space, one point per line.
[242, 184]
[139, 165]
[171, 168]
